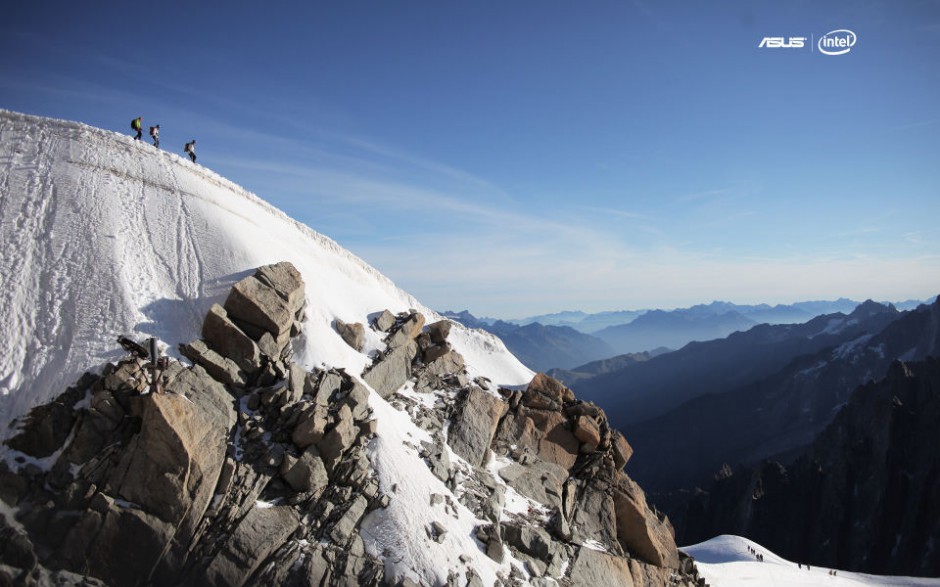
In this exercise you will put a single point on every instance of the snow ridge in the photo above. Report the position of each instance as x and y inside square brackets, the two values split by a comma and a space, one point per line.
[102, 235]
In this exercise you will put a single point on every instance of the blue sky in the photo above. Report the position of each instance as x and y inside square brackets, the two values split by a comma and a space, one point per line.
[516, 158]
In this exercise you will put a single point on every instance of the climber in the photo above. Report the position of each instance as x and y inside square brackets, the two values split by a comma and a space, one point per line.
[191, 149]
[155, 135]
[135, 125]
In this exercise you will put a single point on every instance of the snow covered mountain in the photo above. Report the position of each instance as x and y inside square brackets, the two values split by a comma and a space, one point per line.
[318, 425]
[308, 464]
[102, 235]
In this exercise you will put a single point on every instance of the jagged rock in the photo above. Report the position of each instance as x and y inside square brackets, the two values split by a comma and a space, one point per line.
[353, 334]
[228, 340]
[346, 525]
[311, 428]
[434, 352]
[384, 321]
[539, 480]
[306, 473]
[439, 331]
[597, 568]
[330, 384]
[587, 431]
[220, 368]
[407, 332]
[393, 370]
[340, 438]
[442, 372]
[472, 430]
[622, 450]
[318, 570]
[594, 517]
[543, 432]
[531, 540]
[261, 531]
[257, 308]
[124, 534]
[438, 459]
[172, 465]
[546, 393]
[357, 399]
[46, 427]
[296, 382]
[639, 529]
[284, 279]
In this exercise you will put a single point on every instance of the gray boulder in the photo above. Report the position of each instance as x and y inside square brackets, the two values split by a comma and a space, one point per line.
[597, 568]
[286, 281]
[306, 473]
[473, 428]
[220, 368]
[257, 308]
[386, 376]
[384, 322]
[439, 330]
[407, 332]
[227, 339]
[347, 524]
[259, 533]
[353, 334]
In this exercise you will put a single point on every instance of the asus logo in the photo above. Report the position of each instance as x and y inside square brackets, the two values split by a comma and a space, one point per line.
[782, 42]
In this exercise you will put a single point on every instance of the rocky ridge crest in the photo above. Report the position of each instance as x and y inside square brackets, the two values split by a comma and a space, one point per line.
[248, 469]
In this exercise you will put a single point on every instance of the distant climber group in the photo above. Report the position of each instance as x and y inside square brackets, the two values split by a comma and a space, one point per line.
[137, 126]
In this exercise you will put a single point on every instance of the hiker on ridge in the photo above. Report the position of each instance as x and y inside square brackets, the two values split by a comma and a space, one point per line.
[191, 149]
[155, 134]
[135, 125]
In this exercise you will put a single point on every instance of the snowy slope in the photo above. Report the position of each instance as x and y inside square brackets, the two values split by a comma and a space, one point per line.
[102, 235]
[725, 561]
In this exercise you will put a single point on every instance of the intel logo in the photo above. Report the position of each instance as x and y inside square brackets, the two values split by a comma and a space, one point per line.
[837, 42]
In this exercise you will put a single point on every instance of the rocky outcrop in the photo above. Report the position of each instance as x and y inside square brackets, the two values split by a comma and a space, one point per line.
[248, 469]
[245, 342]
[864, 497]
[245, 470]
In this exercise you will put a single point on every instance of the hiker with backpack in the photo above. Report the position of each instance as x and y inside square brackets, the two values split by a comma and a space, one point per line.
[155, 134]
[135, 125]
[191, 149]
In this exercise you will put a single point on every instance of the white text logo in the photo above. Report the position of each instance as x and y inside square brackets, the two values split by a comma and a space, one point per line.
[782, 43]
[837, 42]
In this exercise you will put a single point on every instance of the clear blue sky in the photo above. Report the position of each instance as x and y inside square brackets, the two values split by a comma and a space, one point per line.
[523, 157]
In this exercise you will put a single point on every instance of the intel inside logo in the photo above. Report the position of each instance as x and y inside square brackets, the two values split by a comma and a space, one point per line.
[837, 42]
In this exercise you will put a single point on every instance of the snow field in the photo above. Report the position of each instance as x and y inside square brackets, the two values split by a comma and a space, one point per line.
[724, 561]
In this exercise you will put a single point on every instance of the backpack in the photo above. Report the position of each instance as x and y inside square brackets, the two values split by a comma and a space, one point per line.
[135, 124]
[152, 129]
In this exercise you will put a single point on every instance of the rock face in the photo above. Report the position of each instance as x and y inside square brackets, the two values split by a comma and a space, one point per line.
[204, 484]
[249, 470]
[864, 497]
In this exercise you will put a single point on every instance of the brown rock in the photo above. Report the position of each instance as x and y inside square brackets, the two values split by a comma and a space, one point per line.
[621, 449]
[228, 340]
[353, 334]
[286, 280]
[587, 431]
[639, 529]
[439, 330]
[257, 308]
[546, 393]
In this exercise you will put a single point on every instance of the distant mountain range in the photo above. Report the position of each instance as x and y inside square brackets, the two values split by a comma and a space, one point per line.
[552, 341]
[540, 347]
[776, 411]
[865, 496]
